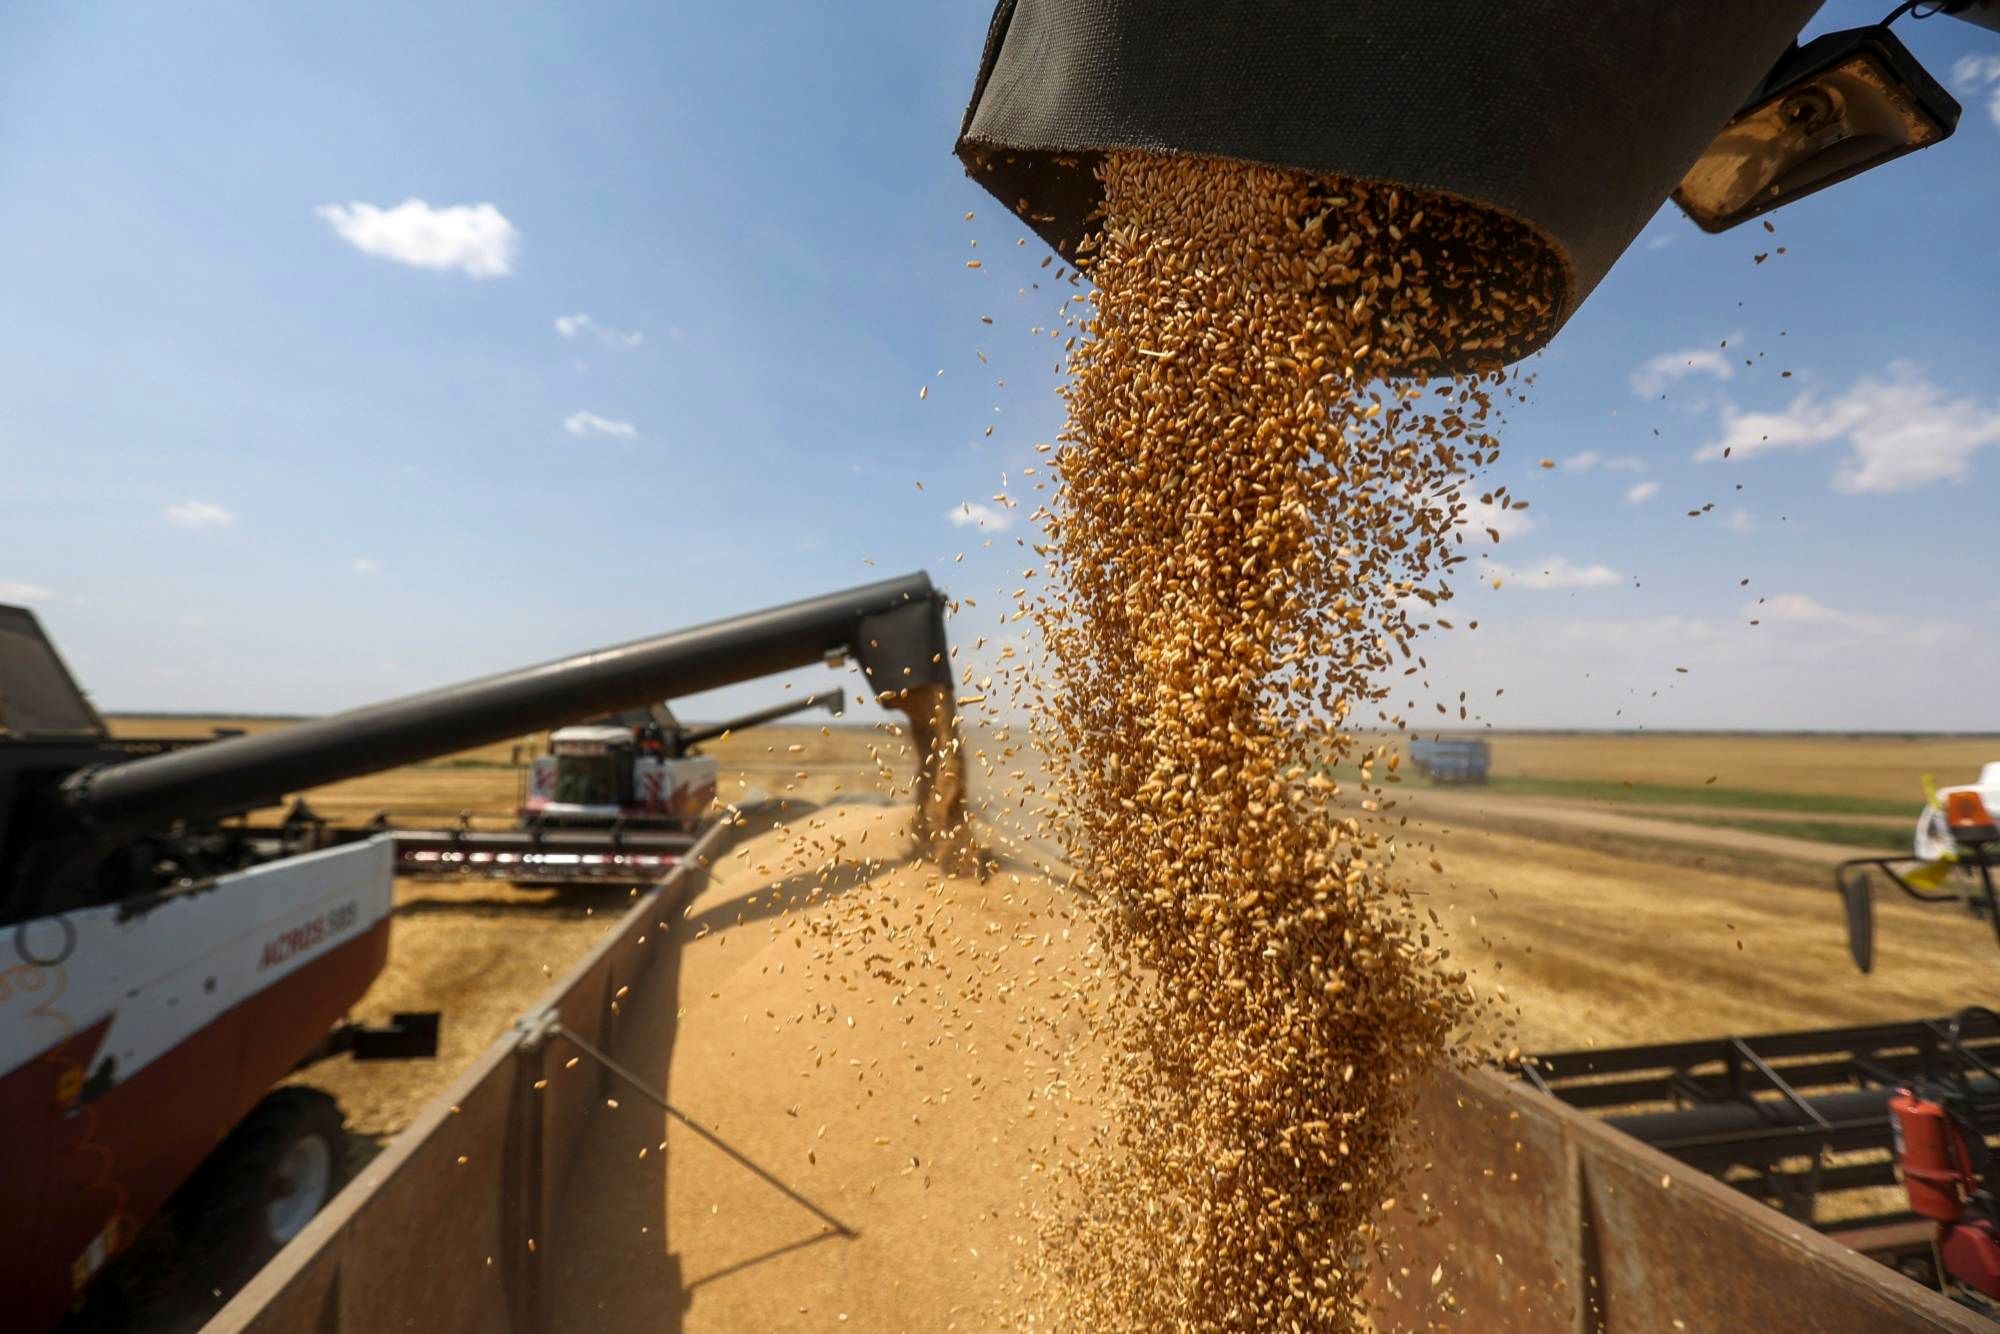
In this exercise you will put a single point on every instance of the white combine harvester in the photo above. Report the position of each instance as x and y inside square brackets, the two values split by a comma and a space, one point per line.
[1952, 858]
[602, 774]
[637, 768]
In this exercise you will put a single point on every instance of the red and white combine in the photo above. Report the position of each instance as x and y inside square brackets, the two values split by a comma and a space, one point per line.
[638, 768]
[163, 963]
[600, 774]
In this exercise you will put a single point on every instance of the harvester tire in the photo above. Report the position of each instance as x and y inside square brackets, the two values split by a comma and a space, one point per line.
[278, 1168]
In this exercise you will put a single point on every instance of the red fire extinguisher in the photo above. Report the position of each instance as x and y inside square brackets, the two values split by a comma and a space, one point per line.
[1937, 1170]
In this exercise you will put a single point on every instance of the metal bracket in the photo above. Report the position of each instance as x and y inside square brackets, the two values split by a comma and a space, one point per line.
[1795, 1197]
[535, 1029]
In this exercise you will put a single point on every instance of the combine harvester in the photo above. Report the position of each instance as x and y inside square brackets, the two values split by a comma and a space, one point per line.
[1951, 861]
[169, 963]
[1823, 1127]
[636, 772]
[638, 768]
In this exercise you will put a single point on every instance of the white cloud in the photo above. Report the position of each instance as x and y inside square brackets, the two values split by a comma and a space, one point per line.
[569, 326]
[1556, 572]
[1597, 668]
[475, 239]
[589, 423]
[972, 514]
[1661, 241]
[1656, 373]
[363, 565]
[1798, 609]
[1975, 73]
[199, 514]
[1739, 521]
[11, 591]
[1644, 491]
[1900, 434]
[1590, 460]
[1489, 517]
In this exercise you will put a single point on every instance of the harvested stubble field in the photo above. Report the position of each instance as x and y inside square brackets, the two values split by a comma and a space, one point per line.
[1606, 935]
[1608, 940]
[1834, 768]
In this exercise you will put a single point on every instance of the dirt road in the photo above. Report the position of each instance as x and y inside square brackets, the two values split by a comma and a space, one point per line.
[1889, 766]
[1442, 806]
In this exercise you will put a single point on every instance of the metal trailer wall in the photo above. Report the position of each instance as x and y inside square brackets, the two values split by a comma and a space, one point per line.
[451, 1227]
[1541, 1218]
[1550, 1220]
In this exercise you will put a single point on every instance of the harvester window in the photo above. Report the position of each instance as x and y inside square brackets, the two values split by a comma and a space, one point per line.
[587, 780]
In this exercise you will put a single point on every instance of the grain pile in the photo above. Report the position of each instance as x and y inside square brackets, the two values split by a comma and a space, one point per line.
[1259, 497]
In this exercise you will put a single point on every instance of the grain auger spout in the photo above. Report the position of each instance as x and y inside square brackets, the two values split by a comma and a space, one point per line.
[1574, 125]
[943, 832]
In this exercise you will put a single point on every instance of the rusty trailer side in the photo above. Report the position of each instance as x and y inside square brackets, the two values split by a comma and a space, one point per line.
[452, 1227]
[1526, 1215]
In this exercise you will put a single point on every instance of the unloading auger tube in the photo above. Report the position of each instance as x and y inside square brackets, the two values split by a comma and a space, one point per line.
[894, 629]
[833, 701]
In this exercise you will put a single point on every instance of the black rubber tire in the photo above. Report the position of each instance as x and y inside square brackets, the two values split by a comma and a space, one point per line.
[224, 1218]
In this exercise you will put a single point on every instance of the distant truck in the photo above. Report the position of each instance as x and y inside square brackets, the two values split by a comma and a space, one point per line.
[1451, 761]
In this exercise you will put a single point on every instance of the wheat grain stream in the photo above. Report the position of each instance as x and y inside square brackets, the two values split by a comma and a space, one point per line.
[1258, 503]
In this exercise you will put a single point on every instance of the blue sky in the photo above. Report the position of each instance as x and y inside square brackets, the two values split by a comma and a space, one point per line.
[274, 441]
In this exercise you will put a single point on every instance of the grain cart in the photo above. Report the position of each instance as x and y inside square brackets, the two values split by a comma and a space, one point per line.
[166, 963]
